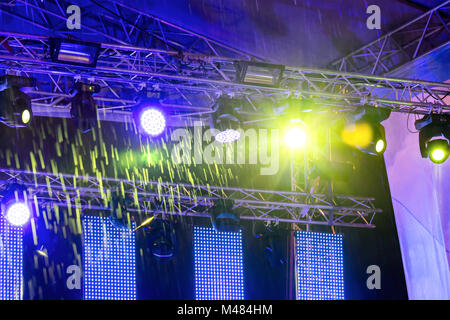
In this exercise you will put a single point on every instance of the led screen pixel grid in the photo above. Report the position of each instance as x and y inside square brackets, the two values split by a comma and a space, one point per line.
[320, 270]
[218, 261]
[109, 260]
[11, 261]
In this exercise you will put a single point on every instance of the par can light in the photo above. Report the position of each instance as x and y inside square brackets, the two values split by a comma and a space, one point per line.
[151, 121]
[14, 205]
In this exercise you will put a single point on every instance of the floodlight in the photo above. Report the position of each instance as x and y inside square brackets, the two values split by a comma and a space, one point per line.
[257, 73]
[74, 52]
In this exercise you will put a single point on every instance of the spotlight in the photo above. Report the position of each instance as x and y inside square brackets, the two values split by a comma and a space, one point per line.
[223, 218]
[147, 115]
[152, 121]
[225, 120]
[295, 137]
[14, 205]
[434, 137]
[15, 110]
[366, 133]
[74, 52]
[84, 109]
[256, 73]
[162, 239]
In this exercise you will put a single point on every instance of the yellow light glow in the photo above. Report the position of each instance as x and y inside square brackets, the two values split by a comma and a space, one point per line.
[295, 138]
[380, 146]
[437, 155]
[357, 135]
[26, 116]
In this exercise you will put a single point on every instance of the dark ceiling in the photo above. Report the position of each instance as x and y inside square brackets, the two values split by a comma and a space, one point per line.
[308, 33]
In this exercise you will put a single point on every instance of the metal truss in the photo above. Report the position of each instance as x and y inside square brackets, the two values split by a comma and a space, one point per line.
[416, 38]
[84, 193]
[115, 22]
[193, 81]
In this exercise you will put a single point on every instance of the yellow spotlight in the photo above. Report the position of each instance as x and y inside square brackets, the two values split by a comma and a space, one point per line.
[358, 135]
[295, 137]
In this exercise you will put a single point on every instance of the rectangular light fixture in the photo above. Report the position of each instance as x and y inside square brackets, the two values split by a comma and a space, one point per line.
[11, 261]
[74, 52]
[320, 266]
[219, 271]
[256, 73]
[109, 260]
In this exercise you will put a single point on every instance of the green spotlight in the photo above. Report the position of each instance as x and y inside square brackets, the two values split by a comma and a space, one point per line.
[439, 150]
[26, 116]
[380, 146]
[295, 137]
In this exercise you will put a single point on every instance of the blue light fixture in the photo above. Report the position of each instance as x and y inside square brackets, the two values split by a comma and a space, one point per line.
[152, 121]
[14, 205]
[11, 261]
[74, 52]
[219, 272]
[109, 260]
[320, 266]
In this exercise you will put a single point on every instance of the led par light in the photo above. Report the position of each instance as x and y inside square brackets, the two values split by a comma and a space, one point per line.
[256, 73]
[14, 205]
[434, 137]
[83, 108]
[223, 217]
[74, 52]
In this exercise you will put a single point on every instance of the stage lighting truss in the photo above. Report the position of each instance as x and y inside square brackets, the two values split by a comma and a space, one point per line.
[299, 207]
[193, 81]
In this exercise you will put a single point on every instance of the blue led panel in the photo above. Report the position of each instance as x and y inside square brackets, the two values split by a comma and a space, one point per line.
[109, 261]
[320, 266]
[219, 273]
[11, 261]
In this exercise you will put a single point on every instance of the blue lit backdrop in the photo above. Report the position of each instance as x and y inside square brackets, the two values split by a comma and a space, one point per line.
[109, 260]
[219, 270]
[320, 271]
[11, 261]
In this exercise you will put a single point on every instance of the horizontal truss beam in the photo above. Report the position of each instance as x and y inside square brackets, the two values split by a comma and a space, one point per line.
[193, 81]
[92, 193]
[406, 43]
